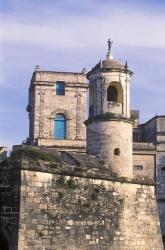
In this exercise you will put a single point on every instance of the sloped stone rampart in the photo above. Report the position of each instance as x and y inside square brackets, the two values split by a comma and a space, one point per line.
[63, 212]
[56, 201]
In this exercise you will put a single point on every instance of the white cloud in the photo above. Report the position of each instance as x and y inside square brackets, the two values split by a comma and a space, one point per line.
[59, 29]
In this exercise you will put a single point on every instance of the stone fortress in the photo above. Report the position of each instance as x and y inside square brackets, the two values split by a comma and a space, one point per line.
[84, 183]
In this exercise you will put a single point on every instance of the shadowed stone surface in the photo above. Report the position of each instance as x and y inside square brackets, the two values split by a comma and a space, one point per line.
[63, 202]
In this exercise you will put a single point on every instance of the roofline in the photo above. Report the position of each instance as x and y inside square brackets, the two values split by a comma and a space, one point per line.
[154, 117]
[59, 72]
[112, 69]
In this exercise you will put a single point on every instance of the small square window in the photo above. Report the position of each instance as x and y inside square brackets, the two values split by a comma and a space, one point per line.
[138, 167]
[60, 88]
[116, 151]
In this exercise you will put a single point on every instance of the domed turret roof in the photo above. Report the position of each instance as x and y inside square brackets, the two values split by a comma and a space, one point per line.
[109, 64]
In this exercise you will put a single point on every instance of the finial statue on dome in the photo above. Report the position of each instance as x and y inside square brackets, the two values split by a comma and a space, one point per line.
[110, 42]
[109, 54]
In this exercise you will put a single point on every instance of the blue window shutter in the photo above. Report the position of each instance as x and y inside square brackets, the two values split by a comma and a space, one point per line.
[60, 88]
[60, 127]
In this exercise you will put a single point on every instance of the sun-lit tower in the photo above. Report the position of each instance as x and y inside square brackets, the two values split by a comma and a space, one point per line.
[109, 127]
[57, 109]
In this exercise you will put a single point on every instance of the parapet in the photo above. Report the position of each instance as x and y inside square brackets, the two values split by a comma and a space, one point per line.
[48, 160]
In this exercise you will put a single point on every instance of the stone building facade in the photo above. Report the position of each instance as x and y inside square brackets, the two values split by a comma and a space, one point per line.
[54, 196]
[149, 139]
[57, 109]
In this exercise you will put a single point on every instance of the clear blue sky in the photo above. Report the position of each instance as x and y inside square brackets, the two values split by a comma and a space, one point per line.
[71, 34]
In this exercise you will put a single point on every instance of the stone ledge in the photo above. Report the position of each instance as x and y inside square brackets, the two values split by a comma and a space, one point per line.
[47, 160]
[144, 146]
[108, 117]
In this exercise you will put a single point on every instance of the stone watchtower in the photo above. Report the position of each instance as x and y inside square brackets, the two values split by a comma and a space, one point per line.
[57, 108]
[109, 128]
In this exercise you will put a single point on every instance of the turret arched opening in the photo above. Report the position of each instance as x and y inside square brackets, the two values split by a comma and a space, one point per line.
[115, 92]
[115, 98]
[112, 94]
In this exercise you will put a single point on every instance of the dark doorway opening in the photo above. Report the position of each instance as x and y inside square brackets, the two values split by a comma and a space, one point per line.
[4, 244]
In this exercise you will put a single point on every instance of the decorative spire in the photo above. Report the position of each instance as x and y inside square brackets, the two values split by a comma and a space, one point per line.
[109, 54]
[126, 65]
[37, 68]
[101, 64]
[84, 71]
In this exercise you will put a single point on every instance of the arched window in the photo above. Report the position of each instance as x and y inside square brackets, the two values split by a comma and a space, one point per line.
[60, 127]
[112, 94]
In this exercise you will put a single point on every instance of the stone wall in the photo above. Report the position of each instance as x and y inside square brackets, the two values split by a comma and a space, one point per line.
[153, 131]
[144, 164]
[161, 129]
[160, 171]
[104, 137]
[63, 212]
[58, 200]
[156, 131]
[10, 183]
